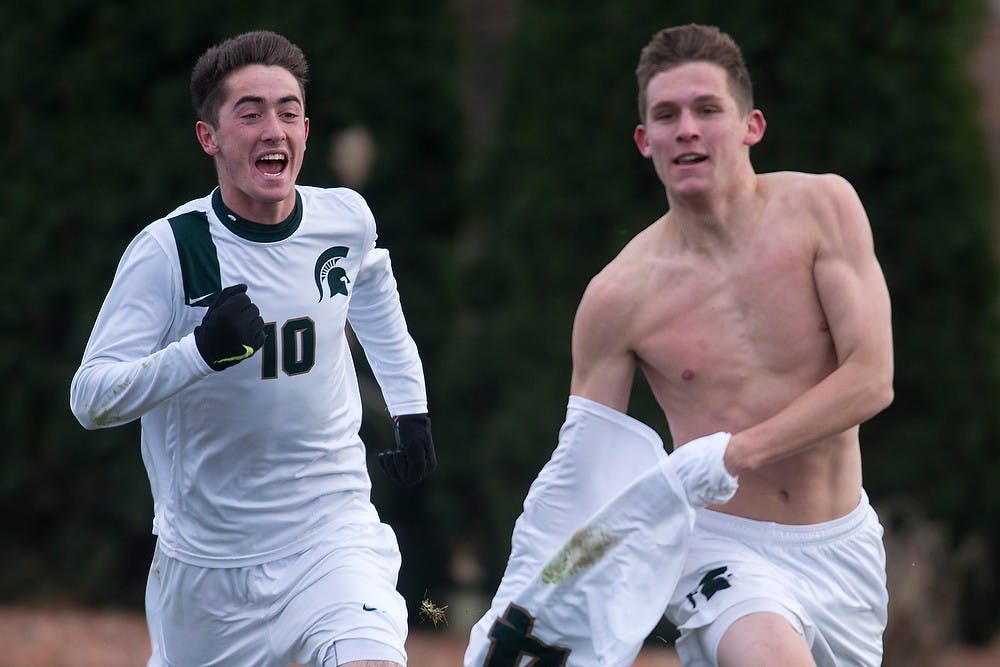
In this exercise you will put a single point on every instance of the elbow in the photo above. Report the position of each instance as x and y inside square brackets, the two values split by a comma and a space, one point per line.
[869, 382]
[89, 418]
[86, 424]
[885, 389]
[76, 405]
[883, 399]
[83, 414]
[880, 393]
[92, 419]
[888, 394]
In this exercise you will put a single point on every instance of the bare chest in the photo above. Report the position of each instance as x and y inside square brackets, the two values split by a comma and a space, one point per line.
[738, 339]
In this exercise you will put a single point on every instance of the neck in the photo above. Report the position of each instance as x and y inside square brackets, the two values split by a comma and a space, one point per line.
[256, 210]
[714, 220]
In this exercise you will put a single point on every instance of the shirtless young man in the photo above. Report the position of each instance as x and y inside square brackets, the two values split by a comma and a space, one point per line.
[756, 306]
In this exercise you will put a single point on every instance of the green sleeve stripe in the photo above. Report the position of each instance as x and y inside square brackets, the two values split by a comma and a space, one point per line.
[198, 257]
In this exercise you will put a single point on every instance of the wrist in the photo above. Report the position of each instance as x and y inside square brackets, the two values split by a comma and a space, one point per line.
[189, 350]
[735, 458]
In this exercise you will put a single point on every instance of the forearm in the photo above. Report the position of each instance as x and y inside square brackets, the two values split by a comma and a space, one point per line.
[847, 397]
[398, 370]
[107, 392]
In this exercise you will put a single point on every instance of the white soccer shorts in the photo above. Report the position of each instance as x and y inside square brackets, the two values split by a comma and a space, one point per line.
[289, 610]
[827, 579]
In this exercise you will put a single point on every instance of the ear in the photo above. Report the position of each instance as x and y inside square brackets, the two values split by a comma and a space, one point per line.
[206, 137]
[756, 124]
[641, 140]
[306, 121]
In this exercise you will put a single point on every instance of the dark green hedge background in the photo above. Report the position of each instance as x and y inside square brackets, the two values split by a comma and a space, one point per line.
[494, 234]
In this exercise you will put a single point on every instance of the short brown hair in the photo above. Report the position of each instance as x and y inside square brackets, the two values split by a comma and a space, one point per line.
[675, 46]
[261, 47]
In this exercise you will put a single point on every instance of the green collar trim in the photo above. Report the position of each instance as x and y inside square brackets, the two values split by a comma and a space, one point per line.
[255, 231]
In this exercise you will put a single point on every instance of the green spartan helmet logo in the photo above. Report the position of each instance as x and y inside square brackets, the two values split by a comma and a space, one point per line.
[328, 272]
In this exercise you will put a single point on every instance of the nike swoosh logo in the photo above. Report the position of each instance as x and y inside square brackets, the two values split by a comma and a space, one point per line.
[200, 298]
[247, 352]
[367, 608]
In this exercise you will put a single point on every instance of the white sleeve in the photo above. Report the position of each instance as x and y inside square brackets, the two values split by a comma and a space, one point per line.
[701, 468]
[129, 367]
[376, 316]
[597, 552]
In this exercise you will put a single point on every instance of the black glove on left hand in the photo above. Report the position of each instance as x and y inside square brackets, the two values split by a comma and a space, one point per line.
[414, 458]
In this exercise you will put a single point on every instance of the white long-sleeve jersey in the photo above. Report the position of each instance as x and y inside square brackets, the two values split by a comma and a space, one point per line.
[257, 461]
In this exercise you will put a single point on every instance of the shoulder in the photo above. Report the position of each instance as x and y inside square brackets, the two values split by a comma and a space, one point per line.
[201, 204]
[339, 210]
[605, 296]
[616, 280]
[604, 329]
[614, 293]
[161, 232]
[823, 194]
[343, 199]
[828, 201]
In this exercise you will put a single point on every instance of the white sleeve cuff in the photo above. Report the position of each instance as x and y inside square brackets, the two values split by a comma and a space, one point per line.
[700, 467]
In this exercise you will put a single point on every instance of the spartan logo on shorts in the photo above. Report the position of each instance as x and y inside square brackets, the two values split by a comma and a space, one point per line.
[713, 582]
[329, 275]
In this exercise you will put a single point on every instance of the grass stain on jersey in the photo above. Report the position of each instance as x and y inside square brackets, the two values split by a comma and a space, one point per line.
[105, 417]
[109, 416]
[586, 547]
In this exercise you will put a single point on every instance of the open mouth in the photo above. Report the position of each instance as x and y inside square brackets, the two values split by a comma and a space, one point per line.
[272, 164]
[690, 158]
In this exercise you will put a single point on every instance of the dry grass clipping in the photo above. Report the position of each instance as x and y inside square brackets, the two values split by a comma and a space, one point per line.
[434, 613]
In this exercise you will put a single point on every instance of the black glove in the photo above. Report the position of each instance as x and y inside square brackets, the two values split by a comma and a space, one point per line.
[414, 458]
[232, 329]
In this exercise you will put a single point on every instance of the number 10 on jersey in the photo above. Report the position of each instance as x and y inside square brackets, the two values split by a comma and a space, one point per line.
[293, 347]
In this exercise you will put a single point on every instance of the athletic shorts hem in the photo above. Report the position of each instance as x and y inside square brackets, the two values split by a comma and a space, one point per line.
[363, 648]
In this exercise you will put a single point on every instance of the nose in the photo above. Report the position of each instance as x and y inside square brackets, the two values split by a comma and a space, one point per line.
[273, 129]
[687, 126]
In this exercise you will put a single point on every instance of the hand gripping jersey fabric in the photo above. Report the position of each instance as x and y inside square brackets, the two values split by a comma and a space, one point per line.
[596, 553]
[257, 461]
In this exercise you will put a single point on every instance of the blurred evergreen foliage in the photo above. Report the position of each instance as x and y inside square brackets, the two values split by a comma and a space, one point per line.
[491, 253]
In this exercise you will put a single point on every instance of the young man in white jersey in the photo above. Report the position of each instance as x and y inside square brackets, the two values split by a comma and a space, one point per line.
[758, 313]
[224, 332]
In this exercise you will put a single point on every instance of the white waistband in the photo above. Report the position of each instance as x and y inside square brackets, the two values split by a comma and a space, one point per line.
[763, 532]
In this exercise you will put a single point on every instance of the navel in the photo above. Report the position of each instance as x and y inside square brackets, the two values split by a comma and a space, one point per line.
[783, 496]
[824, 326]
